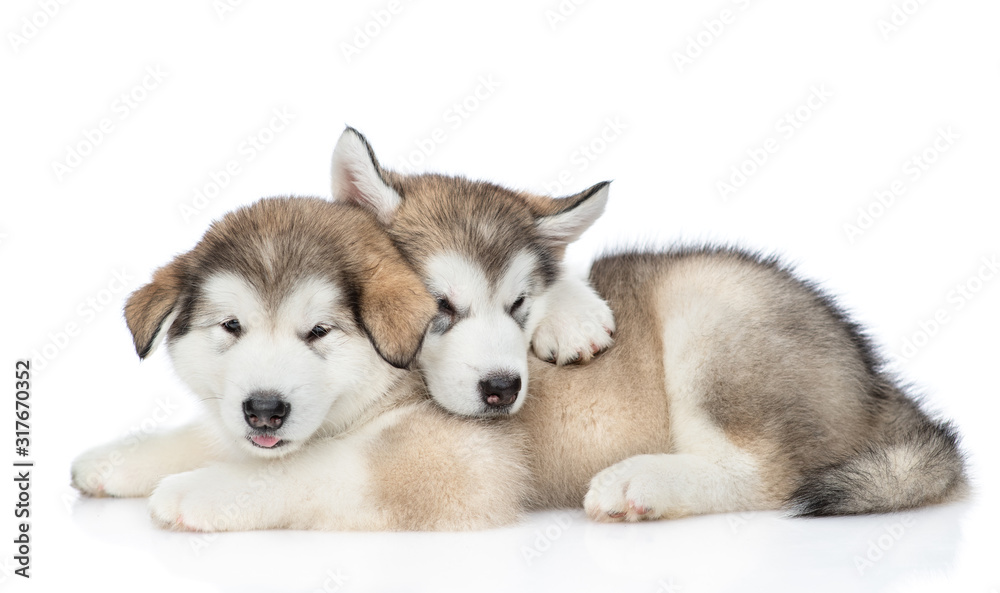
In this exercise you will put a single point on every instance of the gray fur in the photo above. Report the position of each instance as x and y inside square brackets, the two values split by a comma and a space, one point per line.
[795, 374]
[730, 375]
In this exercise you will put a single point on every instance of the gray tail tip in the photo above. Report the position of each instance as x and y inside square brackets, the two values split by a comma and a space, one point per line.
[816, 499]
[923, 468]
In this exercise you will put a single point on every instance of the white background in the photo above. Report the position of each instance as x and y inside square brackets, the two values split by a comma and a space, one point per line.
[545, 88]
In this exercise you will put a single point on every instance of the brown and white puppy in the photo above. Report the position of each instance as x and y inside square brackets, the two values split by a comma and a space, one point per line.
[733, 385]
[292, 320]
[502, 289]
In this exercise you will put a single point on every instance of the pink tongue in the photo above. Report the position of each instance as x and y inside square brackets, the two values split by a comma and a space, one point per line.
[265, 440]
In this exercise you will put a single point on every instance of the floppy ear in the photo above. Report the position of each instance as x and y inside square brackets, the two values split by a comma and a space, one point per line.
[395, 308]
[563, 220]
[357, 177]
[150, 310]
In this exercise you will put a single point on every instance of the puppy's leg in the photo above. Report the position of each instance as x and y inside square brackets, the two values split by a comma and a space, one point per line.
[577, 323]
[411, 471]
[668, 486]
[314, 488]
[134, 465]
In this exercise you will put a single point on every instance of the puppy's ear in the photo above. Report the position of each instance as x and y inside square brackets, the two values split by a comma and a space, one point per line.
[357, 177]
[150, 311]
[394, 306]
[563, 220]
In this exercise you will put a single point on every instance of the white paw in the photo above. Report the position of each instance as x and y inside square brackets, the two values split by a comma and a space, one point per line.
[214, 498]
[111, 470]
[636, 489]
[577, 326]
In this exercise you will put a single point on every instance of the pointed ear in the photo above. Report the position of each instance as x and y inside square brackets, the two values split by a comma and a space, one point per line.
[151, 310]
[395, 308]
[563, 220]
[357, 177]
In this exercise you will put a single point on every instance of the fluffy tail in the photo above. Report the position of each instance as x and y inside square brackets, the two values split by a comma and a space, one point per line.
[913, 461]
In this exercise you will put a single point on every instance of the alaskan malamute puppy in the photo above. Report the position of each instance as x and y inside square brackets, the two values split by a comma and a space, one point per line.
[492, 258]
[291, 320]
[733, 385]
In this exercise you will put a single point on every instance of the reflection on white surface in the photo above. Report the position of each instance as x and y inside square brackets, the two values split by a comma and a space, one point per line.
[563, 551]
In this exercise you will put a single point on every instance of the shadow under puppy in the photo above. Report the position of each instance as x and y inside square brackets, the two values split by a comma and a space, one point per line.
[293, 320]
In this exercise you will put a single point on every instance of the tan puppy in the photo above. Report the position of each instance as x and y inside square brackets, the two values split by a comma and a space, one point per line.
[733, 385]
[289, 320]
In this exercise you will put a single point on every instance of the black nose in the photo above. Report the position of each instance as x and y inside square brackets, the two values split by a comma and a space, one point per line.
[265, 410]
[500, 390]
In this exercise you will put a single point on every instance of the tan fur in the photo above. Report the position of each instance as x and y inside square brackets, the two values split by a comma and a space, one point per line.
[148, 307]
[504, 219]
[393, 307]
[383, 457]
[582, 419]
[437, 471]
[778, 386]
[579, 419]
[793, 410]
[734, 385]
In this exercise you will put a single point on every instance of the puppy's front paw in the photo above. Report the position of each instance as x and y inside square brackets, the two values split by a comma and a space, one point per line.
[212, 498]
[635, 489]
[110, 470]
[577, 327]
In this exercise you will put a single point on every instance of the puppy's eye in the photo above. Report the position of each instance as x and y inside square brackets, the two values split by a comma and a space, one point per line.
[517, 304]
[232, 326]
[445, 307]
[318, 331]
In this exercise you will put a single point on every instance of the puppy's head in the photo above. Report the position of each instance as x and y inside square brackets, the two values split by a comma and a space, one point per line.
[488, 255]
[283, 318]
